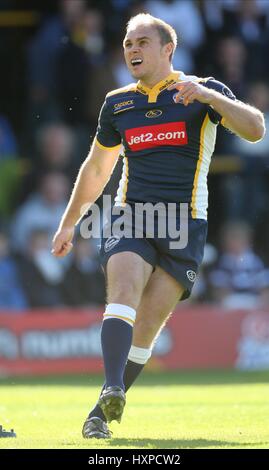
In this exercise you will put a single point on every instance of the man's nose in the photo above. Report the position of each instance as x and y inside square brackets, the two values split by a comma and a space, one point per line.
[135, 48]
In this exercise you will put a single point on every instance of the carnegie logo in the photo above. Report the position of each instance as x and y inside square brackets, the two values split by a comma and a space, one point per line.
[171, 133]
[153, 113]
[118, 107]
[191, 275]
[111, 242]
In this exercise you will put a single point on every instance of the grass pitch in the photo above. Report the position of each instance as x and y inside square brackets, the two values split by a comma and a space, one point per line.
[209, 409]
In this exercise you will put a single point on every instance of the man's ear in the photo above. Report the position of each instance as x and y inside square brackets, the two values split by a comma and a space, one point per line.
[168, 48]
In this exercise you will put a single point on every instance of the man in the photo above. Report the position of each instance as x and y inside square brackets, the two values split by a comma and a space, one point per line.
[167, 125]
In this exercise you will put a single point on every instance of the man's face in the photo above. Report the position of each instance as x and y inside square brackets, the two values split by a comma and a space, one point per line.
[143, 51]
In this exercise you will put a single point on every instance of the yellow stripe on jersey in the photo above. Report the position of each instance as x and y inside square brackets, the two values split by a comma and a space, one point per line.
[200, 191]
[198, 167]
[106, 148]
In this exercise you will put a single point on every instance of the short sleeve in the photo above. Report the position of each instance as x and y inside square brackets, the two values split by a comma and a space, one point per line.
[107, 135]
[221, 88]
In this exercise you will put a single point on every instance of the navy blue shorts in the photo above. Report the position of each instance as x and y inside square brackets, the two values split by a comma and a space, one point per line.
[181, 263]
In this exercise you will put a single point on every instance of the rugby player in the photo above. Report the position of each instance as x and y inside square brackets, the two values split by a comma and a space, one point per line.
[166, 122]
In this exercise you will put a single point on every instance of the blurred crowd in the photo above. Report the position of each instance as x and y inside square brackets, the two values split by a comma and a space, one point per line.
[63, 63]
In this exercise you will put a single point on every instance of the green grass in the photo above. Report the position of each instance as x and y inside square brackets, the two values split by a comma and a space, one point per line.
[210, 409]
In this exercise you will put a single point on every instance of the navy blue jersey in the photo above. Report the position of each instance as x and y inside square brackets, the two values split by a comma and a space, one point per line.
[167, 146]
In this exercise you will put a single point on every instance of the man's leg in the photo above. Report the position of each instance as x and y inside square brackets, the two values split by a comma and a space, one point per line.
[159, 298]
[127, 276]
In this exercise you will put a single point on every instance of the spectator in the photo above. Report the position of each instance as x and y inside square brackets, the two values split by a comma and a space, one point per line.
[43, 52]
[239, 279]
[249, 24]
[10, 168]
[113, 74]
[82, 52]
[254, 163]
[43, 209]
[56, 148]
[201, 292]
[119, 12]
[8, 144]
[178, 14]
[41, 274]
[94, 41]
[258, 96]
[108, 76]
[71, 86]
[191, 33]
[55, 145]
[231, 59]
[84, 282]
[228, 64]
[44, 48]
[12, 295]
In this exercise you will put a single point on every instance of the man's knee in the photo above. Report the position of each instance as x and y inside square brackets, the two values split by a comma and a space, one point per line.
[127, 275]
[128, 293]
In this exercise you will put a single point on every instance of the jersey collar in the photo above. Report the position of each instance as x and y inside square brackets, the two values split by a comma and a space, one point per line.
[159, 87]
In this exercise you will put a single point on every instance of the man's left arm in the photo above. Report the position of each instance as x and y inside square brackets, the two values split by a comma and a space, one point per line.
[242, 119]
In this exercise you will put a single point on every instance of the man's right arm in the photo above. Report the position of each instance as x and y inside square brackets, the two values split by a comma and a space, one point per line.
[91, 180]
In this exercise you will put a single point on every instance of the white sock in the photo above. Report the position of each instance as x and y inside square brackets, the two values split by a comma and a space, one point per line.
[139, 355]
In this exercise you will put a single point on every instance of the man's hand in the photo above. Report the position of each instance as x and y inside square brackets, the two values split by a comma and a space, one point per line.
[191, 91]
[62, 242]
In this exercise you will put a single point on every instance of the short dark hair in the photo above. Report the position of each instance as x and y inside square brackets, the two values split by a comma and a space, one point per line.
[166, 31]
